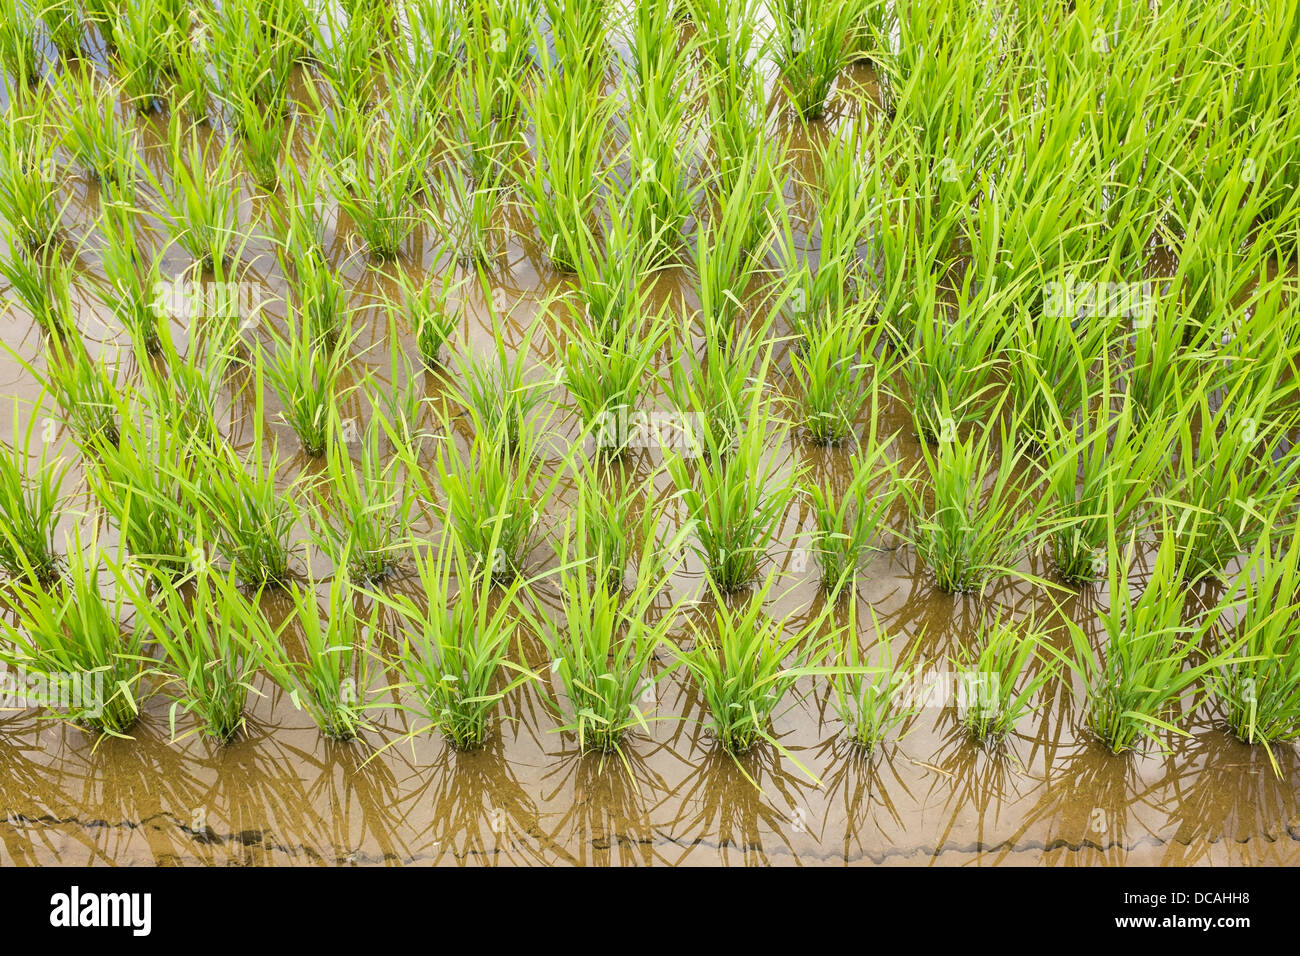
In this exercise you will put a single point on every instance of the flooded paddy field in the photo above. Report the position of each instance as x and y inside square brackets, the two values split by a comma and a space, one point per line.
[511, 433]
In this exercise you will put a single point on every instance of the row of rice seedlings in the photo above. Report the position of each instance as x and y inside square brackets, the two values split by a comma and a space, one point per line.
[30, 503]
[79, 641]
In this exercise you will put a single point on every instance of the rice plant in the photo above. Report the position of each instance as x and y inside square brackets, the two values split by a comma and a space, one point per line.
[300, 220]
[41, 281]
[570, 130]
[998, 681]
[1258, 684]
[30, 502]
[975, 516]
[317, 294]
[253, 520]
[29, 182]
[602, 645]
[262, 136]
[1099, 477]
[141, 483]
[873, 699]
[615, 524]
[502, 391]
[79, 642]
[18, 42]
[949, 367]
[834, 377]
[851, 523]
[496, 495]
[332, 683]
[746, 665]
[1228, 479]
[736, 502]
[366, 513]
[661, 187]
[428, 311]
[376, 192]
[454, 653]
[65, 25]
[95, 134]
[212, 643]
[141, 50]
[812, 46]
[1149, 674]
[203, 203]
[185, 388]
[87, 392]
[133, 278]
[604, 370]
[728, 35]
[305, 375]
[713, 388]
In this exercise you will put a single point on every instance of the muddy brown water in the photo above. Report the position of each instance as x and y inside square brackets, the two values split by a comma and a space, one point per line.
[283, 794]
